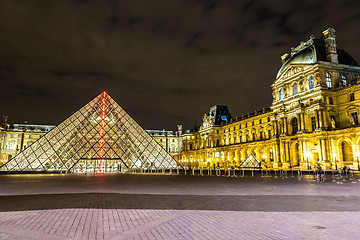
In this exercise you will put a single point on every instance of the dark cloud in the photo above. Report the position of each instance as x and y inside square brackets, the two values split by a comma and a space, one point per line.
[165, 62]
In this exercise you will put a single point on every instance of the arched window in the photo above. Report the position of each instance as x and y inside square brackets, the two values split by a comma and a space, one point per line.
[294, 125]
[281, 94]
[295, 90]
[311, 82]
[328, 80]
[343, 79]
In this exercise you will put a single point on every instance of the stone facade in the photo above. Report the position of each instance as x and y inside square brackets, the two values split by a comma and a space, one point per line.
[313, 118]
[16, 137]
[169, 140]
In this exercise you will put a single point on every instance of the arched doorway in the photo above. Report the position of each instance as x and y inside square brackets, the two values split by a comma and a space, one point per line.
[295, 154]
[347, 153]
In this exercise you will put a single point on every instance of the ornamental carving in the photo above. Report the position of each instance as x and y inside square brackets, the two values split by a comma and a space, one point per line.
[292, 71]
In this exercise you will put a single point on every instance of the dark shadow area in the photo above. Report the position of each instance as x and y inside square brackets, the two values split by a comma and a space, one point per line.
[268, 203]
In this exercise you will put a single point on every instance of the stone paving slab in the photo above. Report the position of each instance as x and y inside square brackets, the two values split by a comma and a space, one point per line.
[176, 224]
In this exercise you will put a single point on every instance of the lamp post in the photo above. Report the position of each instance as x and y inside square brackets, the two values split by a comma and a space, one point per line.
[264, 156]
[357, 158]
[307, 155]
[334, 156]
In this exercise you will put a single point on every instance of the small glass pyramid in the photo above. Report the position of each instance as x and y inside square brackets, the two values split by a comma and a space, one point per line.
[250, 162]
[100, 137]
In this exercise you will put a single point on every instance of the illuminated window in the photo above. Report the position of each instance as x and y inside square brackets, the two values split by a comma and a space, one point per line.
[295, 90]
[313, 123]
[352, 97]
[355, 117]
[259, 121]
[343, 79]
[254, 137]
[12, 146]
[30, 136]
[328, 80]
[331, 101]
[311, 82]
[294, 125]
[269, 133]
[12, 135]
[281, 94]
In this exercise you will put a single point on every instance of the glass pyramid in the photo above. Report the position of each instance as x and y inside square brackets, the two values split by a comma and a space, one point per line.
[250, 162]
[100, 137]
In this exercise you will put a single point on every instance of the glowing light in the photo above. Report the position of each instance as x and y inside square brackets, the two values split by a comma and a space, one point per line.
[307, 154]
[102, 132]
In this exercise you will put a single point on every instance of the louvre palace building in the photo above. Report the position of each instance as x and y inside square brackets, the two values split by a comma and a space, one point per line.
[313, 118]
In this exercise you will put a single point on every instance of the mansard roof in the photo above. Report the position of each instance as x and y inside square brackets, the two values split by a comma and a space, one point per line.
[313, 51]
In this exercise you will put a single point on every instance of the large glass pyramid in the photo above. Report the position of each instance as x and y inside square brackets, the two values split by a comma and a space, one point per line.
[100, 137]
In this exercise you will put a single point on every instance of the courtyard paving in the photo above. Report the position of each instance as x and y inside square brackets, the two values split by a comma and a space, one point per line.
[129, 206]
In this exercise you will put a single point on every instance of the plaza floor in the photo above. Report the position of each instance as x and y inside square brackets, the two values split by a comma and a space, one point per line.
[129, 206]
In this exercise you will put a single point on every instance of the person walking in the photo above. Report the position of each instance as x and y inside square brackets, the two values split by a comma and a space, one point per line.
[320, 174]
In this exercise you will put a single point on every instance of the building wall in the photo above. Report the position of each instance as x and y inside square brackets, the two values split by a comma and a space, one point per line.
[15, 139]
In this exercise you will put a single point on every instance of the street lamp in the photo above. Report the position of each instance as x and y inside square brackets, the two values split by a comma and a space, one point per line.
[264, 156]
[307, 155]
[357, 157]
[334, 156]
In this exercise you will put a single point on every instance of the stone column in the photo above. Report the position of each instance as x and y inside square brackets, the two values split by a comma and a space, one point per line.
[303, 121]
[274, 125]
[321, 119]
[301, 127]
[317, 119]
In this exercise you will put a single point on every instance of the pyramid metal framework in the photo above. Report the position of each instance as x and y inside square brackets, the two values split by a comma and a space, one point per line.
[100, 137]
[250, 162]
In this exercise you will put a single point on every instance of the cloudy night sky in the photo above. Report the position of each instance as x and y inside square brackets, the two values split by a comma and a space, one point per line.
[164, 61]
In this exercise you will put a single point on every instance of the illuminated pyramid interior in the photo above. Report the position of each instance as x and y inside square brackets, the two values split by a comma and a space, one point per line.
[100, 137]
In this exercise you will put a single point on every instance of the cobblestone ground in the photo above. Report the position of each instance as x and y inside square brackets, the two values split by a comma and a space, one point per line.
[177, 207]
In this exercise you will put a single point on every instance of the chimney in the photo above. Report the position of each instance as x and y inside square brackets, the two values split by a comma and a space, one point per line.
[284, 58]
[330, 45]
[179, 129]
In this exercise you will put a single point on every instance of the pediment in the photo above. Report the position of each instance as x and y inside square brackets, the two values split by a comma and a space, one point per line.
[292, 70]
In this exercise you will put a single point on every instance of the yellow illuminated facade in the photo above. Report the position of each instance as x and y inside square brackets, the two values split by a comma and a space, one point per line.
[313, 119]
[16, 137]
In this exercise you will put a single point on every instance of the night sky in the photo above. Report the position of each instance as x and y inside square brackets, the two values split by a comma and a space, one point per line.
[165, 62]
